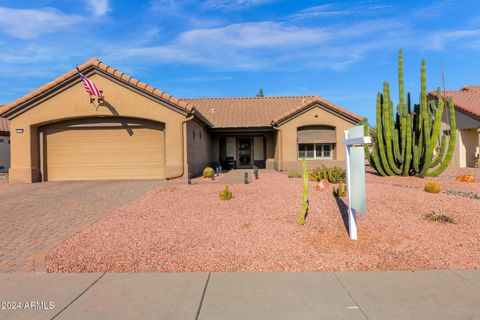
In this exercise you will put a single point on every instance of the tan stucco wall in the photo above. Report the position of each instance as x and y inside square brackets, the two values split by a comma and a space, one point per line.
[73, 103]
[270, 140]
[286, 153]
[199, 148]
[467, 138]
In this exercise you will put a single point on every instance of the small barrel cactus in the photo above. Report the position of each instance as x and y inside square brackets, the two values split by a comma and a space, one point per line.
[208, 172]
[432, 187]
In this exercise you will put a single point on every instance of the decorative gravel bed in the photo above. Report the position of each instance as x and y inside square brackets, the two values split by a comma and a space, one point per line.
[188, 228]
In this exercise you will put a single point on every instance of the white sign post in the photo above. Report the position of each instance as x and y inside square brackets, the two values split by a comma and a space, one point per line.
[355, 157]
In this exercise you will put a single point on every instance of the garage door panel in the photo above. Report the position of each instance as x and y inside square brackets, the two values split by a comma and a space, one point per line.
[104, 153]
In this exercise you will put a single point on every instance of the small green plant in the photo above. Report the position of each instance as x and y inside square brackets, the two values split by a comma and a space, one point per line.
[332, 174]
[432, 187]
[340, 191]
[226, 194]
[208, 172]
[304, 208]
[294, 174]
[439, 217]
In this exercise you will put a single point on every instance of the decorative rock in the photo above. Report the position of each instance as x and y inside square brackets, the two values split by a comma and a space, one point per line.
[466, 178]
[322, 185]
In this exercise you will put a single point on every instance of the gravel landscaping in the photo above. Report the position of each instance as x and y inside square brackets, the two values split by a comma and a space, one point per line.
[188, 228]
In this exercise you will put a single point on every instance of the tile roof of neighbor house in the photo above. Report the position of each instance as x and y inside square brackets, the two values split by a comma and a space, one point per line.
[466, 99]
[110, 70]
[255, 111]
[4, 123]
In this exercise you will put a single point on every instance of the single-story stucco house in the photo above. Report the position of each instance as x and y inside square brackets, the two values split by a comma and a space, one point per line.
[4, 145]
[467, 116]
[140, 132]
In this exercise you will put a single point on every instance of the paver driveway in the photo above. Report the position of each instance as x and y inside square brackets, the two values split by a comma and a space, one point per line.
[36, 217]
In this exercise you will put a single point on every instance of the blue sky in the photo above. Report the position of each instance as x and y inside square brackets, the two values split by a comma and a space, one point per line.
[342, 50]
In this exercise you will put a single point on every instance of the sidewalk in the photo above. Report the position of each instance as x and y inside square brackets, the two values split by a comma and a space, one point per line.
[337, 295]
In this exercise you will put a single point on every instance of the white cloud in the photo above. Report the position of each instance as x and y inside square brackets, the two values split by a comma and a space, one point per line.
[468, 37]
[233, 4]
[29, 23]
[323, 10]
[98, 7]
[267, 45]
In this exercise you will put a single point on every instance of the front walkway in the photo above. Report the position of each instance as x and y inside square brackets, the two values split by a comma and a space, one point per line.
[36, 217]
[401, 295]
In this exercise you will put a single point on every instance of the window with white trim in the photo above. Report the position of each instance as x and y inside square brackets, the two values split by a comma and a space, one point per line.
[315, 150]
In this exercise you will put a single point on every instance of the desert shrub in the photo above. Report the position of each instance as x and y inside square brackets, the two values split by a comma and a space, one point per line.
[208, 172]
[294, 174]
[432, 187]
[466, 178]
[226, 194]
[439, 217]
[332, 174]
[340, 191]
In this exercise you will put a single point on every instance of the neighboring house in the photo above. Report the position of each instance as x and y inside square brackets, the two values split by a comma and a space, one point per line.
[467, 116]
[4, 145]
[139, 132]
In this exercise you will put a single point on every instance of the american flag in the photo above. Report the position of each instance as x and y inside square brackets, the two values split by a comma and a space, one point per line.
[90, 86]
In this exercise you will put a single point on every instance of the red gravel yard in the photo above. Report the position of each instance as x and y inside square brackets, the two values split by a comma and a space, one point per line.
[188, 228]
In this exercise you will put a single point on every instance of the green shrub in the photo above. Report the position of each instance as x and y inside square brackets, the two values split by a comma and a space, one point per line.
[332, 174]
[294, 174]
[226, 194]
[340, 191]
[208, 172]
[432, 187]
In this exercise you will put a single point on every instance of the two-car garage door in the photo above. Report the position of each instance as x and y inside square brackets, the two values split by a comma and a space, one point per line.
[102, 150]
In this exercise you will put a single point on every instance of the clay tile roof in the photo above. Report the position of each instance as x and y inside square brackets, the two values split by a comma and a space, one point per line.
[254, 111]
[466, 99]
[4, 123]
[106, 68]
[244, 112]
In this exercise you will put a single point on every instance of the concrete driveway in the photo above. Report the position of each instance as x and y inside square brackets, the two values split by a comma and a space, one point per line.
[36, 217]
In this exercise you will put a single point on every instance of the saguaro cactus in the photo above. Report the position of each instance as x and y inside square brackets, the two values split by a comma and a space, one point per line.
[406, 141]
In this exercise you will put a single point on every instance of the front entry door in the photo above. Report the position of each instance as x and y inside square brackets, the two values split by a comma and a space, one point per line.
[244, 152]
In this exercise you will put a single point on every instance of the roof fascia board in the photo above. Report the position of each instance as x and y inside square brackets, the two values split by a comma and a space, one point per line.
[241, 130]
[71, 81]
[321, 106]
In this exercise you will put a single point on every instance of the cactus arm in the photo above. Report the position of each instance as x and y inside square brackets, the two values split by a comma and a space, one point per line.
[396, 147]
[402, 108]
[386, 106]
[380, 140]
[433, 140]
[401, 90]
[376, 161]
[304, 208]
[368, 156]
[408, 147]
[451, 143]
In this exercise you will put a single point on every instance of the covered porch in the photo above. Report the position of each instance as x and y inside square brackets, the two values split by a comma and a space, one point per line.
[243, 149]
